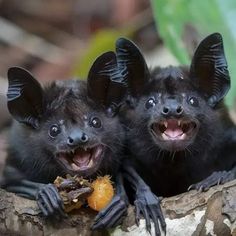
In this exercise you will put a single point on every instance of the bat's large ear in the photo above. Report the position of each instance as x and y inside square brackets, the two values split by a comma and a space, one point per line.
[209, 69]
[132, 66]
[105, 86]
[24, 97]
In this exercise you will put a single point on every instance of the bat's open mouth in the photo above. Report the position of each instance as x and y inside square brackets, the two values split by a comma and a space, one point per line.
[174, 130]
[82, 159]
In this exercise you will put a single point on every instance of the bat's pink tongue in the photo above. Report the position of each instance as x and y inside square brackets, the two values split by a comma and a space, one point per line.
[173, 130]
[82, 158]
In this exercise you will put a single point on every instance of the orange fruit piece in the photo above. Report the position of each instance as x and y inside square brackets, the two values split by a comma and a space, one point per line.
[102, 194]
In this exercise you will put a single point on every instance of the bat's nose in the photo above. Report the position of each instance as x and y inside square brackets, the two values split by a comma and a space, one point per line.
[76, 138]
[172, 107]
[172, 110]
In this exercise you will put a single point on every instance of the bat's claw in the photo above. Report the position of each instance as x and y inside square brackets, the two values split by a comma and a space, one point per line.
[216, 178]
[148, 204]
[112, 215]
[49, 201]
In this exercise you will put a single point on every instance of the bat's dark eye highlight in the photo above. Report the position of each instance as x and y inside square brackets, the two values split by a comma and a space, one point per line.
[96, 122]
[54, 131]
[193, 102]
[150, 103]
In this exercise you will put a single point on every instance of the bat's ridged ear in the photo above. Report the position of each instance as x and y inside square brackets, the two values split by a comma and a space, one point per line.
[105, 86]
[24, 97]
[132, 66]
[209, 69]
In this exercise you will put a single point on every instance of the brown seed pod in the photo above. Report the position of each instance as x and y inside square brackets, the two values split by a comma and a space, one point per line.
[73, 190]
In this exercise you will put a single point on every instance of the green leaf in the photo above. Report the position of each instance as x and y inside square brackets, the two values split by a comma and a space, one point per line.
[102, 41]
[172, 17]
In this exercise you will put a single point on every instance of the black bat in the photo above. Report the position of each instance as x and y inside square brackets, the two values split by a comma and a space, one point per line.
[179, 133]
[68, 127]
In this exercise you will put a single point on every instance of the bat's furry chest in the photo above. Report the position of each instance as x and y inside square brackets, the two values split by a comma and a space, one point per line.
[169, 178]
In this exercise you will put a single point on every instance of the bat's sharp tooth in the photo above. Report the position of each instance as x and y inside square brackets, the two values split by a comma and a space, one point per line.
[165, 124]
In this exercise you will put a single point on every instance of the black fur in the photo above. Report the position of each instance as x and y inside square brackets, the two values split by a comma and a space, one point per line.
[170, 168]
[191, 95]
[32, 151]
[36, 155]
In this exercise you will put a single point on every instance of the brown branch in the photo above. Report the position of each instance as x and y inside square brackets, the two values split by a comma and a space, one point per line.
[191, 213]
[32, 44]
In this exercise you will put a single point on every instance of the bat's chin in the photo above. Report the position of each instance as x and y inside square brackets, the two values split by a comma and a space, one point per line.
[82, 161]
[174, 134]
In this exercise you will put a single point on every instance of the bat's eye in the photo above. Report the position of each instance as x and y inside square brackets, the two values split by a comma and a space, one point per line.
[96, 122]
[150, 103]
[54, 131]
[193, 102]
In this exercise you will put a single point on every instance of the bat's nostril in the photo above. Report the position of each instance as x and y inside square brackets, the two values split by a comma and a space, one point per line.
[179, 109]
[165, 110]
[70, 141]
[84, 138]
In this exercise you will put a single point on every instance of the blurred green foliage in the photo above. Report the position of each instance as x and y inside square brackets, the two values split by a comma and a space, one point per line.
[172, 17]
[102, 41]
